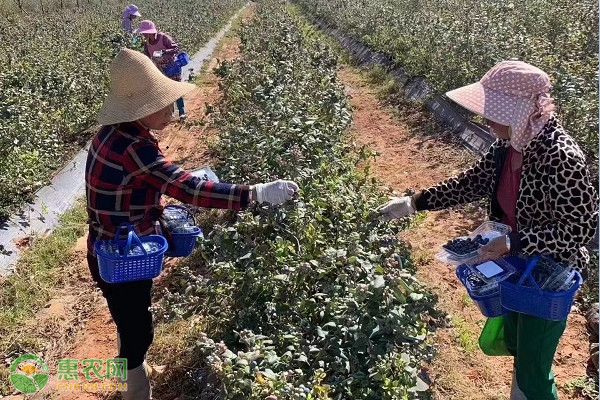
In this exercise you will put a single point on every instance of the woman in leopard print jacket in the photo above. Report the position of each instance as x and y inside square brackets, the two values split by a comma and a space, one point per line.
[536, 180]
[556, 210]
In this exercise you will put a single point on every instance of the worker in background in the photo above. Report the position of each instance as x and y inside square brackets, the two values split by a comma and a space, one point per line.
[163, 51]
[131, 12]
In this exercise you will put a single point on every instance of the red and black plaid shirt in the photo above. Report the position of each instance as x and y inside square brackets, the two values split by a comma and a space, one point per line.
[126, 175]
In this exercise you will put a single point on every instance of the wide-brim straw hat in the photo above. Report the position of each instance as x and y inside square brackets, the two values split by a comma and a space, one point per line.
[137, 89]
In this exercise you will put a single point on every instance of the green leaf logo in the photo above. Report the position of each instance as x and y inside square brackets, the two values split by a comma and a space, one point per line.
[29, 374]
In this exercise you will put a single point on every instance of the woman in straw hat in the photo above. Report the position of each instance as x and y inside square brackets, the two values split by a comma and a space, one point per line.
[126, 175]
[156, 42]
[536, 181]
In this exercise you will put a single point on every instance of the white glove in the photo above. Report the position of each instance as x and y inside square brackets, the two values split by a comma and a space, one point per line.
[277, 192]
[398, 207]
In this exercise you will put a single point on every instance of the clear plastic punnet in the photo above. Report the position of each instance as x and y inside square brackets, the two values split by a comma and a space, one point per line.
[482, 281]
[489, 274]
[466, 249]
[206, 174]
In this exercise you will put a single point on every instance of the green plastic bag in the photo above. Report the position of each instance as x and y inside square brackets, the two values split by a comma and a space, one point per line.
[491, 340]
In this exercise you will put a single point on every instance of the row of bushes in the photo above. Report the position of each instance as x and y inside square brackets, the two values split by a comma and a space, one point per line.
[311, 300]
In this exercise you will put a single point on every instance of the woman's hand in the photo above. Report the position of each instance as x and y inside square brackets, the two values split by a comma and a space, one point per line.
[397, 207]
[496, 248]
[277, 192]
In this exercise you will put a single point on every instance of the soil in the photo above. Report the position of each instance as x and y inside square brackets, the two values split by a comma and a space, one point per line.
[24, 243]
[411, 157]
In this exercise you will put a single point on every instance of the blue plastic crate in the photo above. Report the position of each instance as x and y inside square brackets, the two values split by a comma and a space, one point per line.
[489, 304]
[182, 244]
[525, 296]
[121, 267]
[183, 59]
[173, 70]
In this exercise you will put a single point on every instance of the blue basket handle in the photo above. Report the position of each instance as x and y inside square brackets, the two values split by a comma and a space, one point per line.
[183, 58]
[131, 236]
[461, 273]
[533, 262]
[184, 208]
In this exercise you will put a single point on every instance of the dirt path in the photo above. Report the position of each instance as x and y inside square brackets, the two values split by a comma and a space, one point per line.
[409, 160]
[76, 323]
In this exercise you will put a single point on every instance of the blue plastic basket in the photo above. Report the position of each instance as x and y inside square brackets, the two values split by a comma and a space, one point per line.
[553, 306]
[118, 268]
[489, 304]
[173, 70]
[182, 244]
[183, 59]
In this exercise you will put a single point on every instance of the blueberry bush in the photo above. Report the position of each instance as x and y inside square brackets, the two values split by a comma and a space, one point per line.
[315, 299]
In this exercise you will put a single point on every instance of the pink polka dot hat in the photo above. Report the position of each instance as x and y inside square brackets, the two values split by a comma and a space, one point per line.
[512, 93]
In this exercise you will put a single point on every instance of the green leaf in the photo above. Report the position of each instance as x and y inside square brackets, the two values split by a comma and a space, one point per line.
[374, 331]
[23, 383]
[421, 386]
[320, 332]
[269, 374]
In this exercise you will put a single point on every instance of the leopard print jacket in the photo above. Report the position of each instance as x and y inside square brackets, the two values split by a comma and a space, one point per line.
[557, 209]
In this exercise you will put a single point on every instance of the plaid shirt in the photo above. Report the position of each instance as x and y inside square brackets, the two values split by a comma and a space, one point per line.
[126, 174]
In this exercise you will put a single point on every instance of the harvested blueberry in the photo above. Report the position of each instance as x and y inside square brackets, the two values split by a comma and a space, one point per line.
[462, 246]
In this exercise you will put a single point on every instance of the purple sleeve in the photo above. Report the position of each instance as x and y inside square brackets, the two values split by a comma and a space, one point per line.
[169, 43]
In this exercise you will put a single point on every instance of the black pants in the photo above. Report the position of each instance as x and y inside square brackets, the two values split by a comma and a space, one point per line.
[129, 306]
